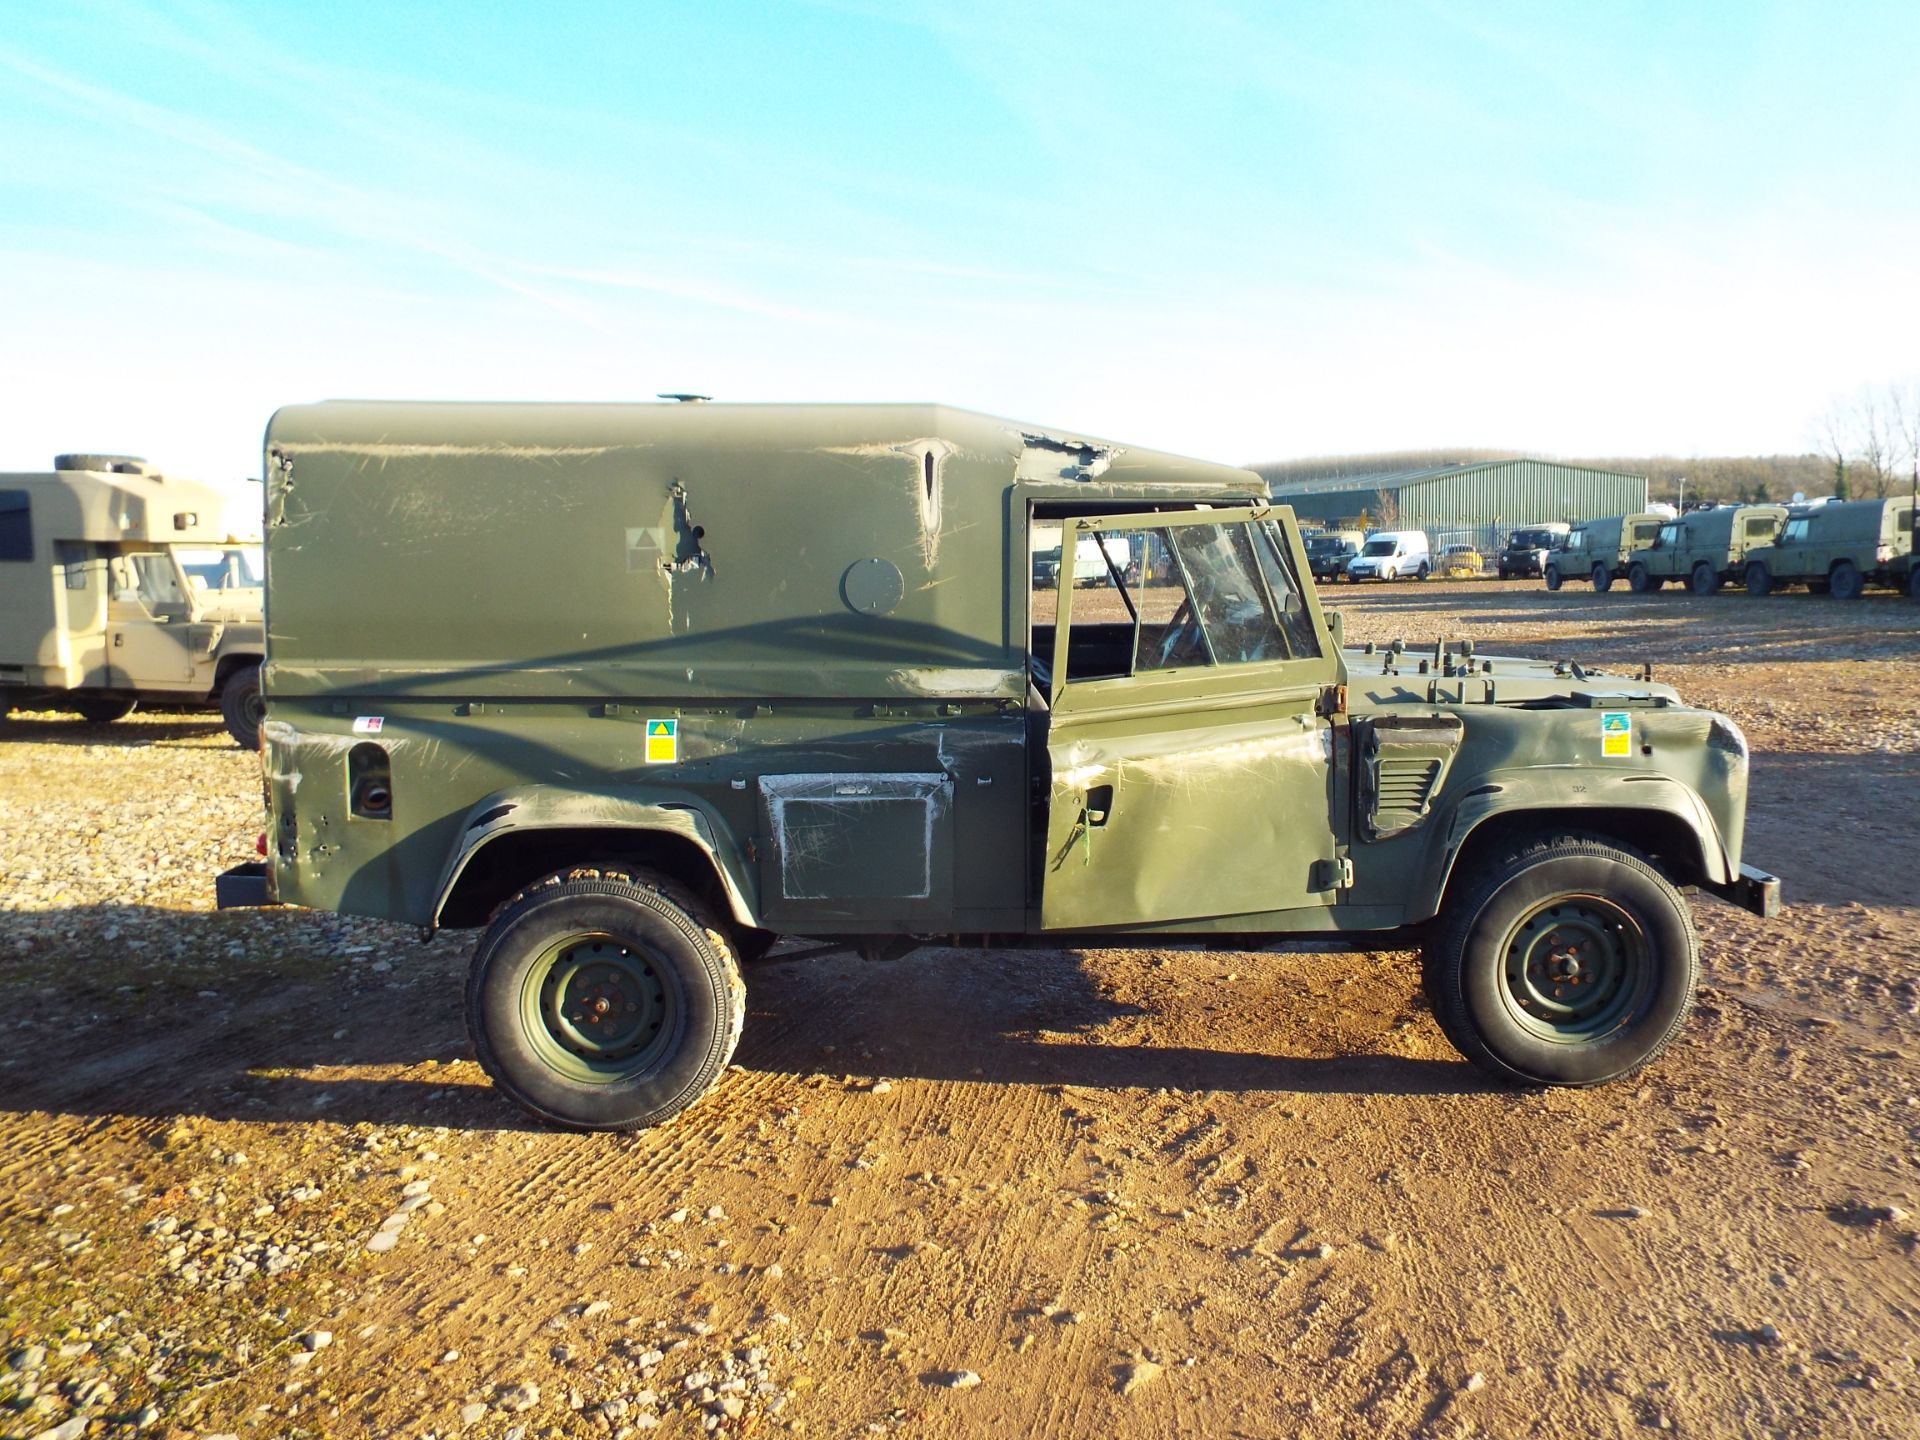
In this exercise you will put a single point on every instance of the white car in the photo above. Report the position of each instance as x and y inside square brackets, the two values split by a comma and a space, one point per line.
[1390, 555]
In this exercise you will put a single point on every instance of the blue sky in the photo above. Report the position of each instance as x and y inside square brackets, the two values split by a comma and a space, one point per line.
[1243, 232]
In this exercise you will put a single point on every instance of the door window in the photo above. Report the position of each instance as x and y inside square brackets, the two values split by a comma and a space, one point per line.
[16, 525]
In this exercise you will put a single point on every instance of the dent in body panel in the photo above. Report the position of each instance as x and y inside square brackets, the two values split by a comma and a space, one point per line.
[927, 464]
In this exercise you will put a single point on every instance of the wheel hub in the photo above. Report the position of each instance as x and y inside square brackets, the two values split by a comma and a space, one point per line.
[1576, 968]
[598, 1007]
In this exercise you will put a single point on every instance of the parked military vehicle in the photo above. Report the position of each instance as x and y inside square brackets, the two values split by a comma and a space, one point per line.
[1601, 550]
[1841, 548]
[120, 585]
[797, 682]
[1705, 548]
[1328, 552]
[1526, 551]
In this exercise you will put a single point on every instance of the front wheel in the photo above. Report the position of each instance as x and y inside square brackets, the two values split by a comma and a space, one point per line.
[1568, 961]
[604, 1002]
[1602, 579]
[1758, 582]
[1639, 580]
[1553, 578]
[243, 707]
[1913, 583]
[1845, 583]
[1705, 580]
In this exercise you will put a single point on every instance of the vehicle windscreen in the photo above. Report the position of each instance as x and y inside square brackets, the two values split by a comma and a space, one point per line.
[231, 567]
[1532, 540]
[1322, 544]
[1379, 547]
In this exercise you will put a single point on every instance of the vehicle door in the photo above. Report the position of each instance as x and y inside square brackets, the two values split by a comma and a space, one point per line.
[1794, 555]
[1665, 556]
[147, 622]
[1190, 748]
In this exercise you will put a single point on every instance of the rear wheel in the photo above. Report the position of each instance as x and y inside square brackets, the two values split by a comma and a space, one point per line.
[1423, 571]
[605, 1002]
[1913, 583]
[1568, 961]
[1639, 581]
[1758, 582]
[1602, 579]
[1705, 580]
[243, 707]
[102, 709]
[1844, 581]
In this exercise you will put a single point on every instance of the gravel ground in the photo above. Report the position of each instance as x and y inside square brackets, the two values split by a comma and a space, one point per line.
[252, 1183]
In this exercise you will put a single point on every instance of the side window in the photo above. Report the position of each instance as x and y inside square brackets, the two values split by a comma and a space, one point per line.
[1795, 532]
[158, 585]
[1131, 612]
[16, 525]
[1669, 537]
[1646, 534]
[1760, 528]
[1245, 592]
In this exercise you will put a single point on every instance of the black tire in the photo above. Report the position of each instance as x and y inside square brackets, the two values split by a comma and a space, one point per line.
[1476, 985]
[674, 948]
[1844, 581]
[1602, 579]
[102, 709]
[1423, 571]
[1553, 577]
[1705, 580]
[1913, 583]
[243, 707]
[1758, 581]
[1638, 580]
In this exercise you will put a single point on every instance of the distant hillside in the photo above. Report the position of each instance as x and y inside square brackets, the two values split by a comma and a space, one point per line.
[1729, 477]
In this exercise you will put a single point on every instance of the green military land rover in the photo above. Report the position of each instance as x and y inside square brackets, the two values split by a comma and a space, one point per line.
[1840, 547]
[635, 689]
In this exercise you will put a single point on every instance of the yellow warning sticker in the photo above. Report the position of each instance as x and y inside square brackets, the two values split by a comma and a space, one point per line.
[663, 742]
[1616, 733]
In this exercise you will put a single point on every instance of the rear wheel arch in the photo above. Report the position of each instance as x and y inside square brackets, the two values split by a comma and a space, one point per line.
[503, 865]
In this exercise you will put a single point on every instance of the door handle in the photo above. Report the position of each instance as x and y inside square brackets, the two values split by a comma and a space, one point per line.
[1099, 805]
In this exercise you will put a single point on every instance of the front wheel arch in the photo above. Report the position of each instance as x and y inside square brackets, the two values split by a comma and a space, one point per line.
[1670, 844]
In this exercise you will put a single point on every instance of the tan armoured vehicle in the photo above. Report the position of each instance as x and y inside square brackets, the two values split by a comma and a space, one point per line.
[119, 585]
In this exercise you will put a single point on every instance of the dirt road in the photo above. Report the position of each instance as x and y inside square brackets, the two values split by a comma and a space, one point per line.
[1087, 1193]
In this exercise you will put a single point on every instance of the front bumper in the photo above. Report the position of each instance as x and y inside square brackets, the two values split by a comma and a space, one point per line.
[244, 887]
[1754, 890]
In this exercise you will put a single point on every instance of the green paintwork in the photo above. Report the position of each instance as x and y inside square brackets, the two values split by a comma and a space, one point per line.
[794, 657]
[1718, 538]
[1608, 545]
[133, 589]
[1873, 536]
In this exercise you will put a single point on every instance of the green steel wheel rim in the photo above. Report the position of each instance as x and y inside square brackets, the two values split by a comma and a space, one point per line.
[1577, 968]
[597, 1009]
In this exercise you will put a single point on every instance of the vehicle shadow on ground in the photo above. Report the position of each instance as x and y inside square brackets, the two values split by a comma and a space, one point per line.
[272, 1018]
[1027, 1017]
[41, 728]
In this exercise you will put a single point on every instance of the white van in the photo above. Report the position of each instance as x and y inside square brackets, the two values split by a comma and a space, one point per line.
[1391, 554]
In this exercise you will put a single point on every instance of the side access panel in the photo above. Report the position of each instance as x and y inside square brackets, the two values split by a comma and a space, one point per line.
[872, 852]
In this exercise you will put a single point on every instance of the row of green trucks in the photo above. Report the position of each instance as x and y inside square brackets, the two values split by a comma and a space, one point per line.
[1838, 548]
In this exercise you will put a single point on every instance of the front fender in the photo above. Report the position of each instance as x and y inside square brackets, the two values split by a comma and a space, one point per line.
[1562, 793]
[651, 809]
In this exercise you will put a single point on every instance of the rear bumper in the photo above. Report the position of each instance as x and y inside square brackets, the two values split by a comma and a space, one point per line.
[244, 887]
[1754, 890]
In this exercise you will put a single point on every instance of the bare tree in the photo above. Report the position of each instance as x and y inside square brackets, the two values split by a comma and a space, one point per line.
[1386, 505]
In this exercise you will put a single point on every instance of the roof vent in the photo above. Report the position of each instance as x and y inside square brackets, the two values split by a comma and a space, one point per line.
[684, 397]
[109, 464]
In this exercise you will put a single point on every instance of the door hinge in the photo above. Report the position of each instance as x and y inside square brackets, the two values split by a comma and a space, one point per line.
[1333, 700]
[1334, 874]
